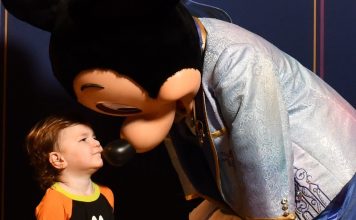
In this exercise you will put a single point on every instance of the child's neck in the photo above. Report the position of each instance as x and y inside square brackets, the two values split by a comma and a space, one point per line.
[77, 186]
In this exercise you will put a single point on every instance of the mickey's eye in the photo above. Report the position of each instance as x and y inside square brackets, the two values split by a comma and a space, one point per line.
[117, 109]
[91, 85]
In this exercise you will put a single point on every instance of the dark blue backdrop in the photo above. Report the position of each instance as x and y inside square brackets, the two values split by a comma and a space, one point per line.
[148, 187]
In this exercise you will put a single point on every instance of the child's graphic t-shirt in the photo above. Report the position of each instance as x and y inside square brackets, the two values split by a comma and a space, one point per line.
[58, 204]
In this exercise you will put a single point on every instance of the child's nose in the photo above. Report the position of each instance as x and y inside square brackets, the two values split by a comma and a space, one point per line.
[96, 143]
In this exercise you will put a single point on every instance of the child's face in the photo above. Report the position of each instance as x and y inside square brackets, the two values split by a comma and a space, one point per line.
[80, 149]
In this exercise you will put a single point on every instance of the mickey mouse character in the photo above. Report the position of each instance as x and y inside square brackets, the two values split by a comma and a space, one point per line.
[253, 131]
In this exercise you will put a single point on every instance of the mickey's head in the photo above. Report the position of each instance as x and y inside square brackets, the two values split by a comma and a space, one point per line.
[141, 62]
[147, 41]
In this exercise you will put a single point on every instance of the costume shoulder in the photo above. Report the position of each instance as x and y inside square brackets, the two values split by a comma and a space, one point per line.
[54, 205]
[221, 34]
[106, 191]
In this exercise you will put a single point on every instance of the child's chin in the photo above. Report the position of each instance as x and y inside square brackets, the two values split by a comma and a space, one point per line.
[99, 164]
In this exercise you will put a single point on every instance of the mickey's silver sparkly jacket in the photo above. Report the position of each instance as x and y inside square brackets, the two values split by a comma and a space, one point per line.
[285, 141]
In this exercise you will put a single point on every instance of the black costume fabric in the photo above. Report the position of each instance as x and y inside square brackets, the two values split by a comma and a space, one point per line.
[147, 43]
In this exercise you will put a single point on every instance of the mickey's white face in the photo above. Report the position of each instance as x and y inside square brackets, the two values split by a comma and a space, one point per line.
[148, 120]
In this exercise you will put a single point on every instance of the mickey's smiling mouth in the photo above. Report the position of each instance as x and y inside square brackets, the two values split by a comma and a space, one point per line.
[117, 109]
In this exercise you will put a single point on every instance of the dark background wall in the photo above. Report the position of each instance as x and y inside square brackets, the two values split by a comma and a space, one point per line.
[320, 34]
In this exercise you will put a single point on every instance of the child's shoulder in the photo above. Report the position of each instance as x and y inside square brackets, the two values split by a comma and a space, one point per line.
[54, 195]
[53, 203]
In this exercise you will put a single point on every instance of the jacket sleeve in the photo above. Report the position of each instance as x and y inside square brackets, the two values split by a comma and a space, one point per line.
[249, 96]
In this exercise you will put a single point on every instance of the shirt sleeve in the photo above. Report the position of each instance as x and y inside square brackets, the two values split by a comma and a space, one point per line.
[106, 191]
[54, 206]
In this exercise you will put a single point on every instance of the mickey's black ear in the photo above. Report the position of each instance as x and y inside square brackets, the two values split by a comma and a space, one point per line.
[44, 13]
[112, 9]
[39, 13]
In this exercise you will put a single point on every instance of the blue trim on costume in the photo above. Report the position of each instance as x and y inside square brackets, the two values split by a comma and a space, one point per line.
[343, 206]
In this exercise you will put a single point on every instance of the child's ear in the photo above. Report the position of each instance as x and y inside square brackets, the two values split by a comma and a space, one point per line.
[57, 161]
[182, 86]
